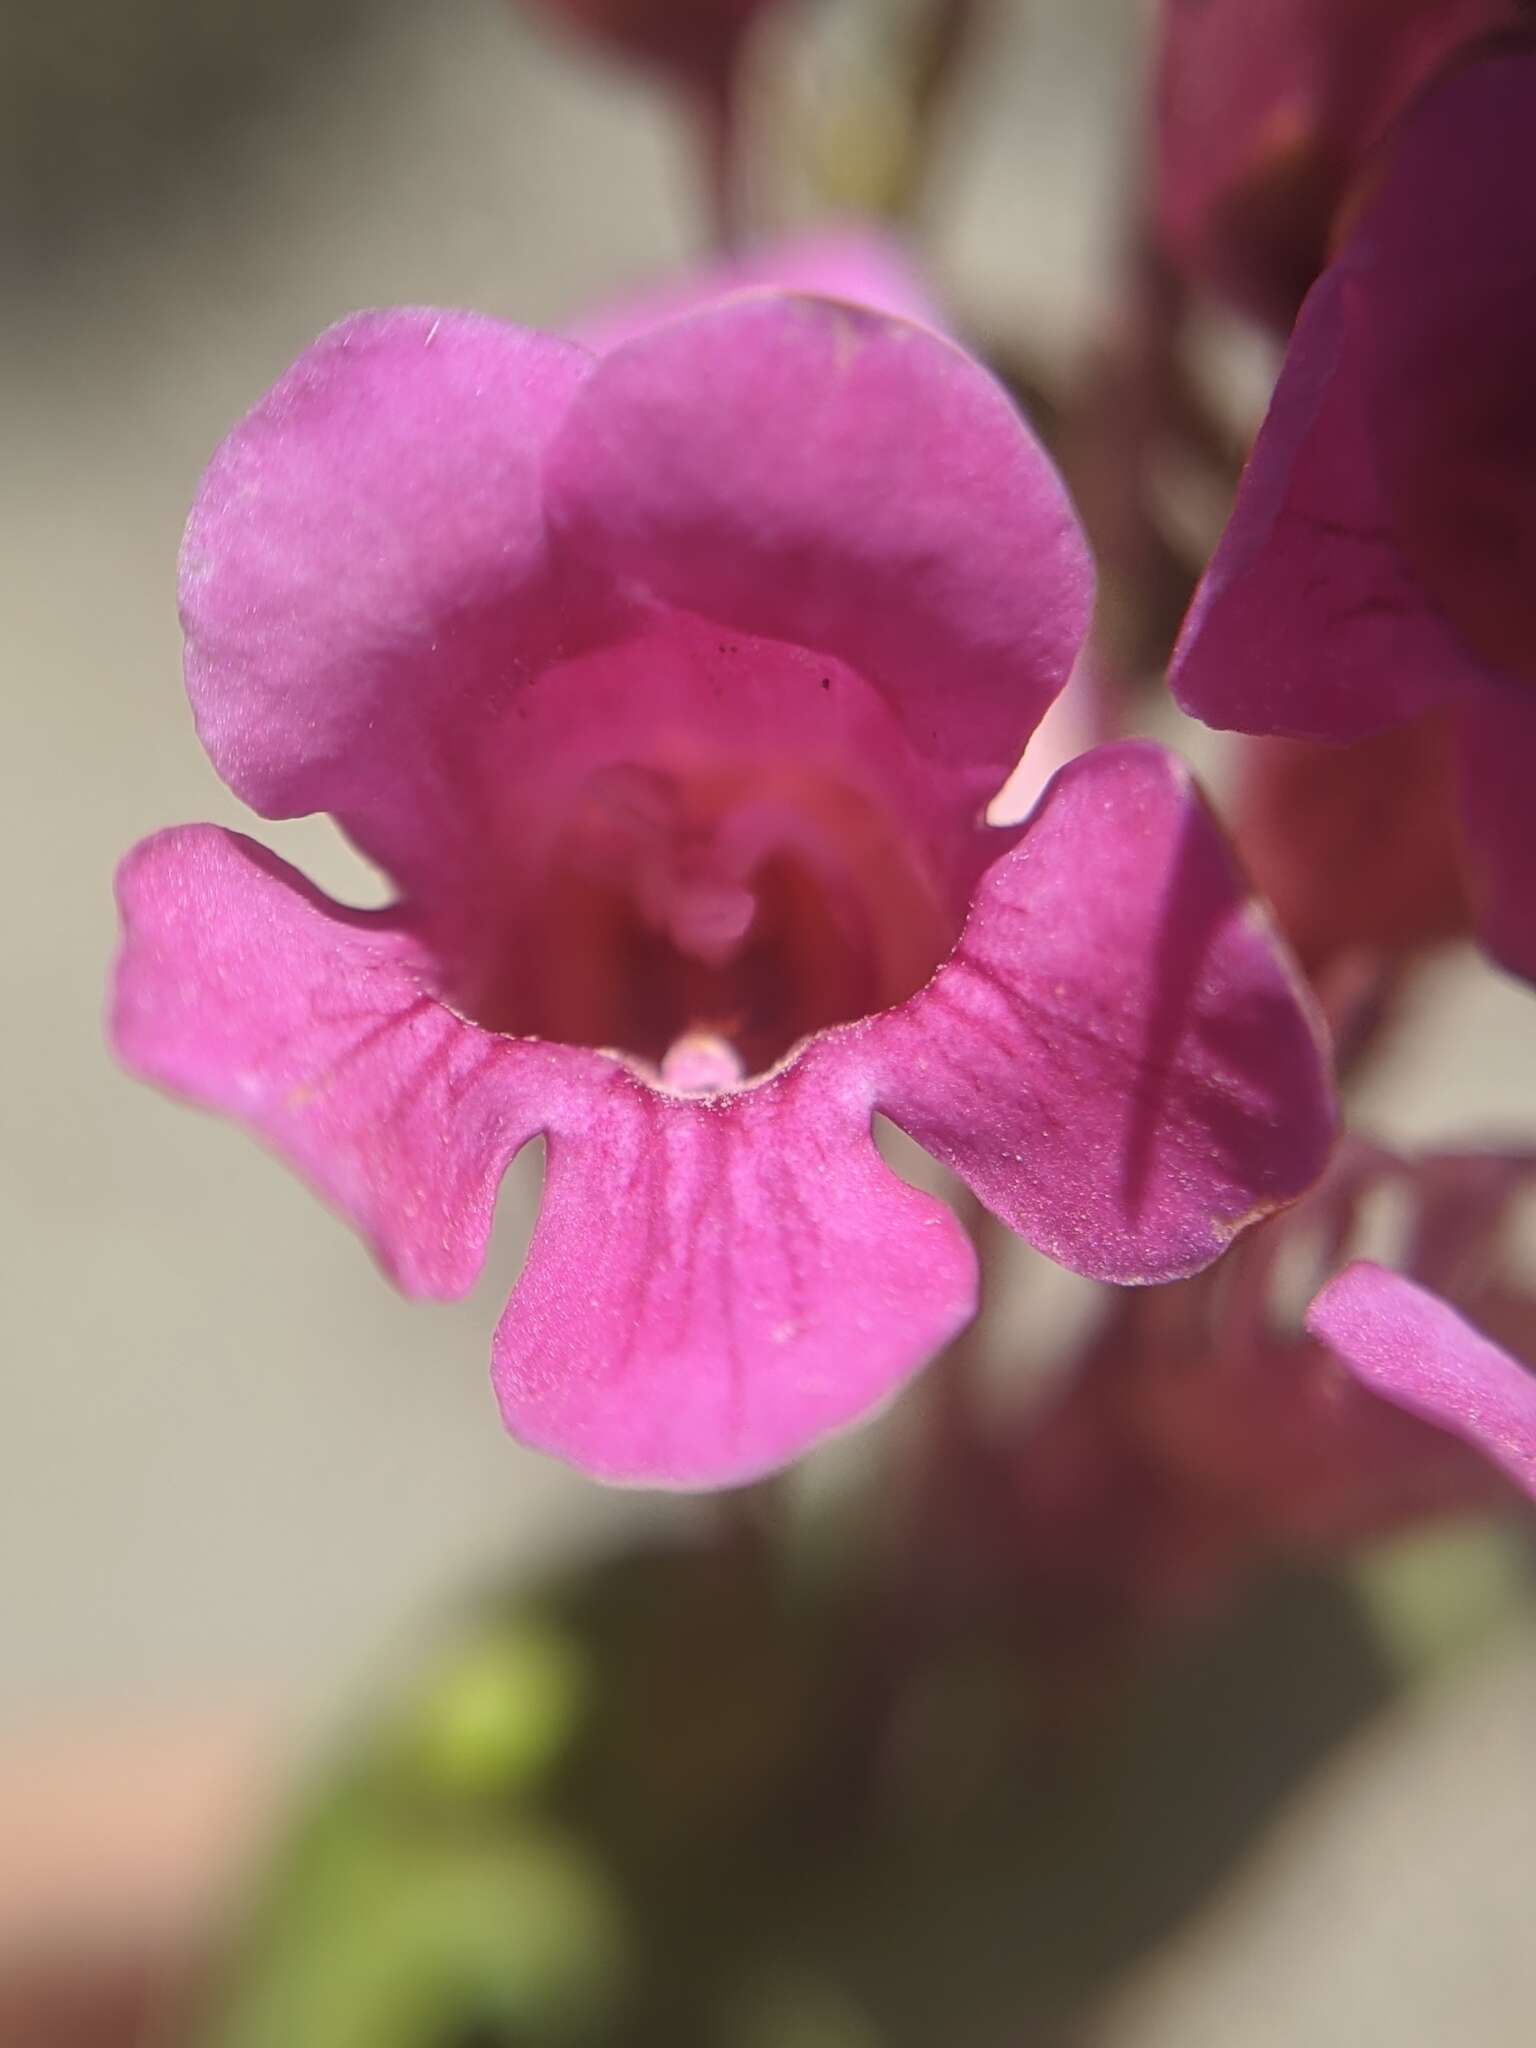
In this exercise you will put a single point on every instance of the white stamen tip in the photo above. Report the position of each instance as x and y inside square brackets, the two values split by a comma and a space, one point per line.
[698, 1063]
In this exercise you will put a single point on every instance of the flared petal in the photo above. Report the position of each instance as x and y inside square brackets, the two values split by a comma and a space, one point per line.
[1308, 621]
[1411, 1348]
[1498, 776]
[365, 577]
[241, 988]
[855, 264]
[1119, 1058]
[715, 1283]
[817, 474]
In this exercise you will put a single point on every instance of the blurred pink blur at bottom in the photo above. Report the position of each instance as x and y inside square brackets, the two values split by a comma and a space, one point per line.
[124, 1849]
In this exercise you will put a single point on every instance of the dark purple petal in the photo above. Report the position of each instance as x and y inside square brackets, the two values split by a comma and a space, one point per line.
[1308, 621]
[1498, 779]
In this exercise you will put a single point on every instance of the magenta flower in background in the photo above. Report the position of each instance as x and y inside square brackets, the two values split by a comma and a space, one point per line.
[669, 686]
[1201, 1430]
[847, 261]
[1412, 1348]
[1265, 112]
[1355, 848]
[1381, 559]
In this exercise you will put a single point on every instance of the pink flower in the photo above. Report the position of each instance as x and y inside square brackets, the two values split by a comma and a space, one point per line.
[1266, 111]
[1381, 560]
[1413, 1349]
[669, 686]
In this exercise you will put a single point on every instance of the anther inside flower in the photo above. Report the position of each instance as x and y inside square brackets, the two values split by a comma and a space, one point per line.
[670, 685]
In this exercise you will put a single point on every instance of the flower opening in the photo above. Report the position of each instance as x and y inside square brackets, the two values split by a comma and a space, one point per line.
[698, 835]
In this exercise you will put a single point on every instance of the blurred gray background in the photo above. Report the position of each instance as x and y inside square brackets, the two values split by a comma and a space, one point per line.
[235, 1468]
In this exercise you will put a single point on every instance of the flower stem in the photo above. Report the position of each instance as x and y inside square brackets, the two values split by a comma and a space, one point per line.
[717, 110]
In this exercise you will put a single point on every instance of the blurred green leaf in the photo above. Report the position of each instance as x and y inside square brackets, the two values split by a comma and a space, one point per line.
[1433, 1593]
[497, 1714]
[389, 1939]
